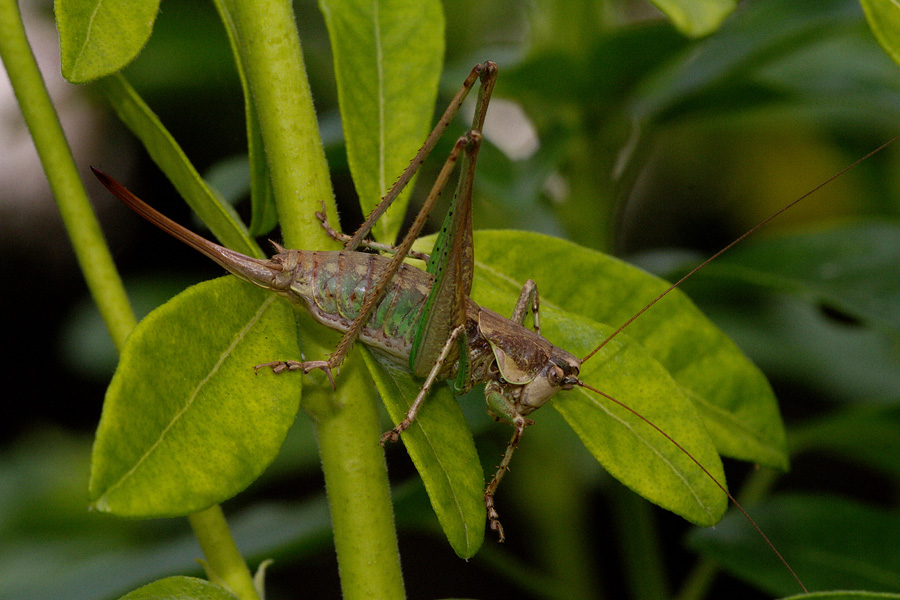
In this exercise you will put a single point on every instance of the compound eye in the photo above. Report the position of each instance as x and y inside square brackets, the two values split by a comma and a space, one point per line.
[556, 375]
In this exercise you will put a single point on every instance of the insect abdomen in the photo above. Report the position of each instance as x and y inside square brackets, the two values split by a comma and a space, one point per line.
[333, 286]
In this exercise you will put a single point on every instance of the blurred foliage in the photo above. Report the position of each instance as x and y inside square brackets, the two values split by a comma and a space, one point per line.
[647, 140]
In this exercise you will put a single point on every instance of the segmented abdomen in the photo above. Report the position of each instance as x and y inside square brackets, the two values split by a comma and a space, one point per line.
[333, 286]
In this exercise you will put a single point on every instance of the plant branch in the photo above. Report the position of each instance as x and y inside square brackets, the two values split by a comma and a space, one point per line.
[347, 423]
[273, 59]
[224, 564]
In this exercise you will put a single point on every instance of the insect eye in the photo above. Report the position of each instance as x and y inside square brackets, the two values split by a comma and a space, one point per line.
[556, 375]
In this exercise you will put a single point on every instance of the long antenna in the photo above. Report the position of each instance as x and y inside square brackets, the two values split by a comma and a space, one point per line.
[737, 241]
[708, 474]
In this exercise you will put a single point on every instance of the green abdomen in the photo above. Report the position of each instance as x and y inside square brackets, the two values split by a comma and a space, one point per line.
[333, 286]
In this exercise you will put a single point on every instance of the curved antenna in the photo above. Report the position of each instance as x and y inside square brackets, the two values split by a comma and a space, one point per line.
[747, 234]
[708, 474]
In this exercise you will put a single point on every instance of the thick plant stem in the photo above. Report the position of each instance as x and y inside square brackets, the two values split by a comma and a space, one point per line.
[224, 564]
[273, 60]
[347, 421]
[358, 490]
[639, 545]
[71, 198]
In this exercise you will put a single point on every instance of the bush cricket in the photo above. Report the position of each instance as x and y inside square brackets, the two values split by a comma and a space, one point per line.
[425, 321]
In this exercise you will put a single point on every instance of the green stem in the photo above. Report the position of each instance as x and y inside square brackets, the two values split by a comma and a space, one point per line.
[273, 60]
[224, 564]
[347, 423]
[71, 198]
[359, 492]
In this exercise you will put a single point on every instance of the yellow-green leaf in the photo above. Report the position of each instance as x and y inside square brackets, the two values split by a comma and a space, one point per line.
[187, 423]
[98, 38]
[387, 60]
[884, 20]
[696, 18]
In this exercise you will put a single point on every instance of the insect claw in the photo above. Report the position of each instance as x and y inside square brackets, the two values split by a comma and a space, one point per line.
[279, 366]
[330, 378]
[394, 434]
[389, 436]
[496, 526]
[493, 517]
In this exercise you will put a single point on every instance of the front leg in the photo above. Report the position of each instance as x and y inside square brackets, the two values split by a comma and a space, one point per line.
[502, 409]
[493, 517]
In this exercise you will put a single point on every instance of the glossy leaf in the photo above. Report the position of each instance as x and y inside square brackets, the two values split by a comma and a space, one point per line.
[98, 38]
[179, 588]
[187, 422]
[745, 48]
[441, 447]
[840, 434]
[832, 544]
[387, 58]
[696, 17]
[731, 394]
[828, 318]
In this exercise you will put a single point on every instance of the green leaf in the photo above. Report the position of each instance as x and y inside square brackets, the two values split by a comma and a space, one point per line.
[264, 216]
[187, 422]
[179, 588]
[441, 447]
[884, 19]
[731, 394]
[99, 38]
[171, 159]
[850, 271]
[696, 18]
[832, 544]
[628, 448]
[747, 48]
[840, 434]
[387, 58]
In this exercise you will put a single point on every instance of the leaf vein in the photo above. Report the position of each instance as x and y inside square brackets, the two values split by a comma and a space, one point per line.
[379, 62]
[193, 396]
[677, 472]
[89, 29]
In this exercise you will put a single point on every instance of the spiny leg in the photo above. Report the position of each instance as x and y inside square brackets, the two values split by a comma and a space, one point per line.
[493, 517]
[469, 144]
[487, 72]
[465, 143]
[394, 434]
[528, 300]
[345, 239]
[372, 297]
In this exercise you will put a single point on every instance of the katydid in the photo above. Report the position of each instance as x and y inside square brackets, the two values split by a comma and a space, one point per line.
[424, 320]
